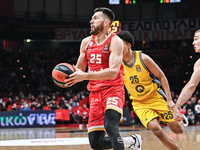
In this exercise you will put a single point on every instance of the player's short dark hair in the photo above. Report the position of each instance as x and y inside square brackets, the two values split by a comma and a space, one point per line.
[197, 31]
[109, 13]
[126, 36]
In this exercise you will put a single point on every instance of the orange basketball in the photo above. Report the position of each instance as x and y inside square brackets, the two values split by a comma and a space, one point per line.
[60, 73]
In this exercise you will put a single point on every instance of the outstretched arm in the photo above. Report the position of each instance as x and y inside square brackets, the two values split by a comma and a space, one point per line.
[188, 90]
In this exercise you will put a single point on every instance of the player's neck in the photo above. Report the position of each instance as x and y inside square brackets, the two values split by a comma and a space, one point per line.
[99, 38]
[129, 59]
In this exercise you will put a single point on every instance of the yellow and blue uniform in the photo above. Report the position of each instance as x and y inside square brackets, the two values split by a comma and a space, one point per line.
[148, 98]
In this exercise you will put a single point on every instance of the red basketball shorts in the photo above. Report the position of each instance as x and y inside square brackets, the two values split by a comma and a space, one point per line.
[109, 98]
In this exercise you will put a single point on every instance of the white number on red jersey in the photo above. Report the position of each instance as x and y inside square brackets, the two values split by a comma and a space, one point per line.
[96, 57]
[112, 100]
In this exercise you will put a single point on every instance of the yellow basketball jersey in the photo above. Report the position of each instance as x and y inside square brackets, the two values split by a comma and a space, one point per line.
[143, 87]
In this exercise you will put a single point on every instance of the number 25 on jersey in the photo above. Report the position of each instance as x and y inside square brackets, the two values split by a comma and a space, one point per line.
[112, 100]
[95, 58]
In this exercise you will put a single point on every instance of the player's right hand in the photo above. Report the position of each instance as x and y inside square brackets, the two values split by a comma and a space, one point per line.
[75, 77]
[177, 115]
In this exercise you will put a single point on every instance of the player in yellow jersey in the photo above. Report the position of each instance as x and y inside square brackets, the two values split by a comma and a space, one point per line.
[149, 90]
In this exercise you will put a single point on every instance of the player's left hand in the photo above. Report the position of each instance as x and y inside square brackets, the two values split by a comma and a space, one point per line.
[170, 104]
[75, 77]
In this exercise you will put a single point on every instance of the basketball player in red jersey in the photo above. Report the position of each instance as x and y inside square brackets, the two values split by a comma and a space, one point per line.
[103, 52]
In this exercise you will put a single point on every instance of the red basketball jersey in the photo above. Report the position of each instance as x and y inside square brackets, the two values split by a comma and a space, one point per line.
[98, 59]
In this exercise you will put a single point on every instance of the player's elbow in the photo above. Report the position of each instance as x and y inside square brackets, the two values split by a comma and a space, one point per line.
[113, 74]
[192, 86]
[113, 77]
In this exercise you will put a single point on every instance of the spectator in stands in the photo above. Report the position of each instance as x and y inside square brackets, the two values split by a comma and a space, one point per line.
[25, 107]
[32, 98]
[68, 106]
[36, 102]
[67, 96]
[193, 100]
[54, 97]
[62, 102]
[76, 98]
[16, 99]
[189, 106]
[1, 100]
[82, 94]
[14, 107]
[197, 112]
[53, 105]
[47, 107]
[196, 95]
[33, 104]
[30, 105]
[21, 101]
[71, 102]
[41, 97]
[190, 116]
[65, 105]
[46, 101]
[21, 95]
[9, 102]
[38, 107]
[84, 113]
[76, 112]
[3, 106]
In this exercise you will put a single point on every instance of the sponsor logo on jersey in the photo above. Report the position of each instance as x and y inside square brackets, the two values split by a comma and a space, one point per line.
[106, 46]
[138, 68]
[139, 88]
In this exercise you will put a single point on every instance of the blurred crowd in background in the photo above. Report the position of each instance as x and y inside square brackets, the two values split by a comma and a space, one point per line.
[26, 82]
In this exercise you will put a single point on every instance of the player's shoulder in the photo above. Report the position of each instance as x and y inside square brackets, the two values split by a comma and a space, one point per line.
[197, 64]
[198, 61]
[86, 39]
[147, 60]
[116, 41]
[144, 56]
[115, 37]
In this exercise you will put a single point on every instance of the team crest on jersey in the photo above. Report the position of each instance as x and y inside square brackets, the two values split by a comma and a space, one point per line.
[138, 68]
[106, 46]
[91, 43]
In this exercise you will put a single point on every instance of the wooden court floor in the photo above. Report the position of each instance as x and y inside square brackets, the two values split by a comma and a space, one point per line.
[189, 140]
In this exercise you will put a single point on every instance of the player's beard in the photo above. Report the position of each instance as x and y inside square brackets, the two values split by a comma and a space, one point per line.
[97, 30]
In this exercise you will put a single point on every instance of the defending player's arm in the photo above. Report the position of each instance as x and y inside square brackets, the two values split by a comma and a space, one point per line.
[116, 48]
[155, 69]
[188, 90]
